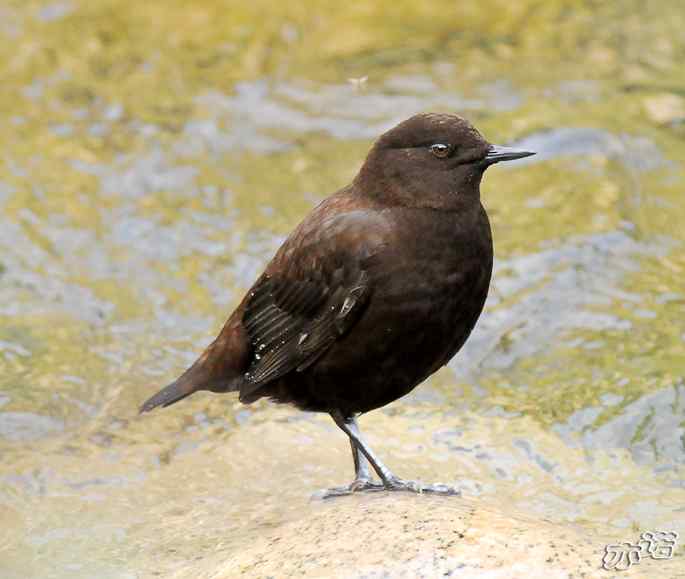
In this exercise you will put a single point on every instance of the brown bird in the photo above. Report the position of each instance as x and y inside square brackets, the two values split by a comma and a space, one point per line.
[374, 291]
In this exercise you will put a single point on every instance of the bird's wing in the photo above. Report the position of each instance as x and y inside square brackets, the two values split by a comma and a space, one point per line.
[290, 323]
[295, 313]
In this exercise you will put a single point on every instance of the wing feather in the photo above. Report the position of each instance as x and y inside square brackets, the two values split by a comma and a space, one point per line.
[291, 323]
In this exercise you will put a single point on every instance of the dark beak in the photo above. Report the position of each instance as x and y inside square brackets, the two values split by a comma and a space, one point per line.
[498, 153]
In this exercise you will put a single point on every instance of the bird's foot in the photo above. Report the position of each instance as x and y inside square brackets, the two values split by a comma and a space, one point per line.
[359, 485]
[394, 484]
[397, 484]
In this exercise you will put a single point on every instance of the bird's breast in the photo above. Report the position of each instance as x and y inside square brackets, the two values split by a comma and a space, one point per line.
[436, 259]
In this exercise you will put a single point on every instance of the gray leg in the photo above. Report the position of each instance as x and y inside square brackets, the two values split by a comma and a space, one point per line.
[361, 465]
[363, 480]
[390, 481]
[350, 427]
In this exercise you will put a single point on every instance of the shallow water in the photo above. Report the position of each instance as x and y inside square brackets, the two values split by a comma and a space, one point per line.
[154, 157]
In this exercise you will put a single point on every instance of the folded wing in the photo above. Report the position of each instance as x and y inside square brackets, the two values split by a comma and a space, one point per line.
[292, 322]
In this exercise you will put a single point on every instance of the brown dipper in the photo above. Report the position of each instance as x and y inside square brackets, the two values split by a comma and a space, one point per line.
[374, 291]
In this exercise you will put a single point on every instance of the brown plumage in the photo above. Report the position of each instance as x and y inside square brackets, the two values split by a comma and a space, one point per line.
[375, 290]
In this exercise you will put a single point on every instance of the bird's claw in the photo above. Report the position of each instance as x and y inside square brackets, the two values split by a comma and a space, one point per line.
[394, 484]
[397, 484]
[359, 485]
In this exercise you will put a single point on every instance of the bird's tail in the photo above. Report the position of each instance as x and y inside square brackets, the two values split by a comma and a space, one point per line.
[200, 376]
[168, 395]
[218, 369]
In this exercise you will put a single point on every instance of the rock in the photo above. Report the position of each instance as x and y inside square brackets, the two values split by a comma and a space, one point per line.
[402, 535]
[665, 108]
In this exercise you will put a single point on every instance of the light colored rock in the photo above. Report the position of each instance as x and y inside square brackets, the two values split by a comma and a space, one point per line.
[400, 535]
[665, 107]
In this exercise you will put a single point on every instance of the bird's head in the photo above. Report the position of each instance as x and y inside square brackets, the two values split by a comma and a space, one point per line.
[430, 160]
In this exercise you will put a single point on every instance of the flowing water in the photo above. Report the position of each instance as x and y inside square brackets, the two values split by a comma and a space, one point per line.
[153, 156]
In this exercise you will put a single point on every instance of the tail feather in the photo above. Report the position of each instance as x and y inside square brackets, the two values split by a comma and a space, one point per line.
[167, 396]
[218, 369]
[195, 378]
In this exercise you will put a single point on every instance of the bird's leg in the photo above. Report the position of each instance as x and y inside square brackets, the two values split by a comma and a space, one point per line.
[361, 450]
[390, 482]
[361, 465]
[362, 473]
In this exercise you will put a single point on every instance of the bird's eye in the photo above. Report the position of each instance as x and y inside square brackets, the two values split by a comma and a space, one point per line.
[440, 150]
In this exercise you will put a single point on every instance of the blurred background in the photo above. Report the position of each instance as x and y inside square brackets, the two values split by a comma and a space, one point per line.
[154, 154]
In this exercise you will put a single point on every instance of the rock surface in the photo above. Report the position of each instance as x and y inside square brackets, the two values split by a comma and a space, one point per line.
[374, 536]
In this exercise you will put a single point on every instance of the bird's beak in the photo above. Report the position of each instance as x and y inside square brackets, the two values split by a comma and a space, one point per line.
[498, 153]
